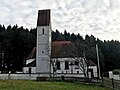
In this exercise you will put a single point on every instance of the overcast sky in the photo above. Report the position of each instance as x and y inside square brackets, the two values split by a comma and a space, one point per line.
[100, 18]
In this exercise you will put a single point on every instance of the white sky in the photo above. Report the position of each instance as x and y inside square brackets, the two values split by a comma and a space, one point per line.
[100, 18]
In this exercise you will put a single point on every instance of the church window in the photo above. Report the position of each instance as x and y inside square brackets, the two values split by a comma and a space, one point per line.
[66, 65]
[58, 65]
[43, 31]
[76, 65]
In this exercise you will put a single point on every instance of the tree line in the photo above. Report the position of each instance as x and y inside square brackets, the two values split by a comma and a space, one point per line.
[16, 44]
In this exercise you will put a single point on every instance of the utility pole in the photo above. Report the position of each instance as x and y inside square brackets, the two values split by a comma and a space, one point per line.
[98, 61]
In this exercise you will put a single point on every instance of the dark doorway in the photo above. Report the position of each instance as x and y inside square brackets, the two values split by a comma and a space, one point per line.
[66, 65]
[91, 70]
[29, 70]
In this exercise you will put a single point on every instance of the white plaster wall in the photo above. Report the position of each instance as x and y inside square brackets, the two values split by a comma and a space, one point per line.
[94, 70]
[26, 69]
[62, 66]
[110, 74]
[43, 44]
[116, 77]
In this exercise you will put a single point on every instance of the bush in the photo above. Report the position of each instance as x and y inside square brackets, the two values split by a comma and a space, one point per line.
[116, 71]
[13, 71]
[5, 72]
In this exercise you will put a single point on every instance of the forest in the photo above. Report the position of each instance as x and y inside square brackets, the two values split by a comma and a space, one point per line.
[16, 44]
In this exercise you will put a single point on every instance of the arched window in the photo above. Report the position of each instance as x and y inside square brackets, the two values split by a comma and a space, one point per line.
[43, 31]
[58, 65]
[76, 64]
[66, 65]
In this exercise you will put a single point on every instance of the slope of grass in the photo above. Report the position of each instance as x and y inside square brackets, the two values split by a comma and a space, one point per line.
[33, 85]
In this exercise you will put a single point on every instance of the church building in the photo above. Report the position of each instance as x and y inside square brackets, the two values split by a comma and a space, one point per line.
[62, 57]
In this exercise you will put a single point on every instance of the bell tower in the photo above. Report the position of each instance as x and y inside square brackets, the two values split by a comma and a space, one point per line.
[43, 42]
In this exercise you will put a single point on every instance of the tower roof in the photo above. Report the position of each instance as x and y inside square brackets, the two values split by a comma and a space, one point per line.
[43, 18]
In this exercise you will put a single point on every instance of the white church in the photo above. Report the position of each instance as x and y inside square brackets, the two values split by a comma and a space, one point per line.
[59, 57]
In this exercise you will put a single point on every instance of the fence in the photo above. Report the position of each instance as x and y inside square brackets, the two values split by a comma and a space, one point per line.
[114, 84]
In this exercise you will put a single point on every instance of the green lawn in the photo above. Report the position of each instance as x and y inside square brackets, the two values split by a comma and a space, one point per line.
[34, 85]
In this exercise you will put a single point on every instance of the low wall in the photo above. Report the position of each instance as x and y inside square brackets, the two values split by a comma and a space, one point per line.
[114, 76]
[33, 76]
[22, 76]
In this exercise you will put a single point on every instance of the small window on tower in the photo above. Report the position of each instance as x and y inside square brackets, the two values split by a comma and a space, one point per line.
[43, 31]
[42, 51]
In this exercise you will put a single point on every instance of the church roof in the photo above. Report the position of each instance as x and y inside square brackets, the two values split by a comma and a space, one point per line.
[63, 49]
[31, 64]
[60, 49]
[43, 18]
[91, 63]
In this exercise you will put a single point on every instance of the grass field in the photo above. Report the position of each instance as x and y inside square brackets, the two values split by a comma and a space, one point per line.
[34, 85]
